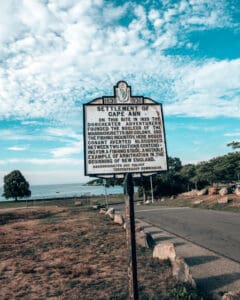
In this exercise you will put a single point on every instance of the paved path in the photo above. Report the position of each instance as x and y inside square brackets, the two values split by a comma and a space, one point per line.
[215, 230]
[209, 241]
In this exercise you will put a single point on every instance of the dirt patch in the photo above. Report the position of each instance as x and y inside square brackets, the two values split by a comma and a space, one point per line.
[11, 216]
[66, 254]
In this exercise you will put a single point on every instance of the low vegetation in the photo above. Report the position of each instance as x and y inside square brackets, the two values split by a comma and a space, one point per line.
[74, 253]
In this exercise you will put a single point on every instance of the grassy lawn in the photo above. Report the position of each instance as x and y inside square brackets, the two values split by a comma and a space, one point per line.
[111, 199]
[75, 253]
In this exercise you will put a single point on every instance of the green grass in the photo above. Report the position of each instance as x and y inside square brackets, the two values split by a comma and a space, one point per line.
[57, 293]
[72, 283]
[29, 252]
[69, 202]
[183, 291]
[217, 206]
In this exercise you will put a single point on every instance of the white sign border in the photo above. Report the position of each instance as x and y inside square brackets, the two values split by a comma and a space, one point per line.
[101, 101]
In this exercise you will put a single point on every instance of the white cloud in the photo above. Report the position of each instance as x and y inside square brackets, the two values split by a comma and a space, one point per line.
[63, 132]
[17, 148]
[64, 135]
[15, 135]
[48, 161]
[232, 134]
[73, 148]
[209, 90]
[74, 142]
[166, 40]
[56, 54]
[34, 123]
[153, 14]
[112, 13]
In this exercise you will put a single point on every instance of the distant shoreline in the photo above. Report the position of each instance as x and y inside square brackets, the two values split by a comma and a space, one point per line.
[59, 198]
[67, 191]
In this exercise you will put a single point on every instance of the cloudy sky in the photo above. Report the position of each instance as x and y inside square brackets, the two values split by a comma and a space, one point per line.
[56, 55]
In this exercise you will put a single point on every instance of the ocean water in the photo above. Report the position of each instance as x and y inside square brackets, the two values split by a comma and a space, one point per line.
[67, 190]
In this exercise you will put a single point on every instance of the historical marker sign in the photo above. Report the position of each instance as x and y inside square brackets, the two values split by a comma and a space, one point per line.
[124, 134]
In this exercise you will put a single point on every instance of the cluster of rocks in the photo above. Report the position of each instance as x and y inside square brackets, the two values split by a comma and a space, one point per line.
[223, 192]
[237, 191]
[215, 191]
[180, 269]
[162, 251]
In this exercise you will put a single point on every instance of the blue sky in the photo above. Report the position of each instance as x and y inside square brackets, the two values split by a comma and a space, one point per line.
[56, 55]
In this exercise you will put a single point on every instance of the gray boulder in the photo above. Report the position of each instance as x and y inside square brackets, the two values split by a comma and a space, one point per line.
[202, 192]
[118, 219]
[164, 251]
[110, 212]
[237, 191]
[102, 211]
[223, 192]
[139, 228]
[181, 271]
[145, 239]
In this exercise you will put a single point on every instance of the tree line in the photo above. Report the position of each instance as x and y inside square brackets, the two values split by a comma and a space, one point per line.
[181, 178]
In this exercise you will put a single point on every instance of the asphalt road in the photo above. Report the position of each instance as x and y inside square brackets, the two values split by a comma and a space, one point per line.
[215, 230]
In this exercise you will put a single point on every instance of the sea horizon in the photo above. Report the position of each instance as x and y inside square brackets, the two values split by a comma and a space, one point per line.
[66, 190]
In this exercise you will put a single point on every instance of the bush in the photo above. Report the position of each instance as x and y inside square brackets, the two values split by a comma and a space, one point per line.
[15, 185]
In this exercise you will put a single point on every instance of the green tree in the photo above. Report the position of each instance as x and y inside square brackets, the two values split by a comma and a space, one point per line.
[144, 188]
[15, 186]
[234, 145]
[170, 182]
[204, 174]
[188, 173]
[174, 164]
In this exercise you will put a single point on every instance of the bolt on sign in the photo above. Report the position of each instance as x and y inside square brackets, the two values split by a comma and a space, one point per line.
[124, 134]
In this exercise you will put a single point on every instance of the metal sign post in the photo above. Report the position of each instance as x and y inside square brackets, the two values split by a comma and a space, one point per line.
[105, 189]
[124, 136]
[130, 236]
[151, 188]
